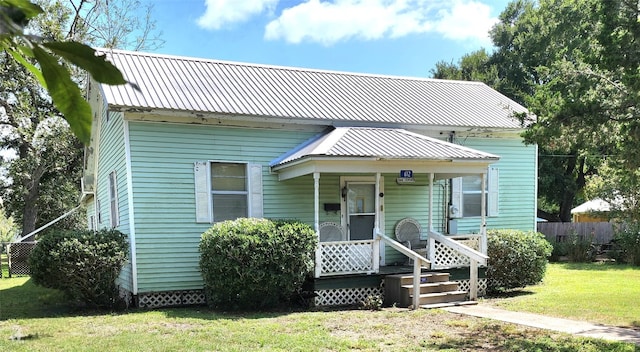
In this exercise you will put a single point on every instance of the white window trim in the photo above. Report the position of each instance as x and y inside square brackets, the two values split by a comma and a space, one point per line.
[114, 211]
[491, 190]
[204, 191]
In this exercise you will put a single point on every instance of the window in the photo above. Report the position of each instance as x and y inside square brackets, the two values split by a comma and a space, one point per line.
[229, 191]
[467, 195]
[113, 200]
[472, 195]
[99, 211]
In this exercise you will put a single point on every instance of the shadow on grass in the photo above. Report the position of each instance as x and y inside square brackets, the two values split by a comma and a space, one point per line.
[509, 294]
[598, 266]
[27, 300]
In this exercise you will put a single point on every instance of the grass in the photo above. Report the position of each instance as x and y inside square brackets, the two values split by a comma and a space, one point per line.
[597, 292]
[37, 319]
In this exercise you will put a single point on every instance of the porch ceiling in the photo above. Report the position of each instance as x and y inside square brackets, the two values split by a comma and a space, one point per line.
[384, 150]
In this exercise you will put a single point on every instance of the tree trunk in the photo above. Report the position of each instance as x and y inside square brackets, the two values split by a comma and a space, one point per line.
[30, 212]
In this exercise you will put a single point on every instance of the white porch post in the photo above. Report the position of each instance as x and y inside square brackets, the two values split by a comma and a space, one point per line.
[431, 242]
[473, 269]
[483, 214]
[316, 221]
[376, 228]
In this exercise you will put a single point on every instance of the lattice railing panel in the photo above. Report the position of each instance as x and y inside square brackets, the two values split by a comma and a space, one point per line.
[346, 257]
[464, 285]
[446, 257]
[171, 299]
[18, 255]
[346, 296]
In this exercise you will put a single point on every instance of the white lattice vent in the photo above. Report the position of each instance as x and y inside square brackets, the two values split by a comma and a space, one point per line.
[346, 296]
[464, 285]
[171, 299]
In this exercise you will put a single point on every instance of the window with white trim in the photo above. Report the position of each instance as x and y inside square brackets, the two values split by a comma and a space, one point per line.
[229, 195]
[467, 195]
[227, 191]
[114, 214]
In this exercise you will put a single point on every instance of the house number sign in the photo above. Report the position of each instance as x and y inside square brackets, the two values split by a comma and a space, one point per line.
[406, 176]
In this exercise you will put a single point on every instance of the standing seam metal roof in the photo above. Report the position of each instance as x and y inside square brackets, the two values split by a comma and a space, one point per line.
[383, 143]
[208, 86]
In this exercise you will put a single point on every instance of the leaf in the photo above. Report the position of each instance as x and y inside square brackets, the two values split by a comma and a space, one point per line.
[85, 57]
[20, 58]
[66, 95]
[29, 9]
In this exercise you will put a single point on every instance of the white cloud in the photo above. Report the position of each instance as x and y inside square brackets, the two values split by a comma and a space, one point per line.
[220, 13]
[331, 21]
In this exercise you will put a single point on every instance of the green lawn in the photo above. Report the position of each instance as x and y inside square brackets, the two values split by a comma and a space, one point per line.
[37, 319]
[598, 292]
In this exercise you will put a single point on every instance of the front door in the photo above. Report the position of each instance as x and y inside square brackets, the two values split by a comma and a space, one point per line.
[361, 209]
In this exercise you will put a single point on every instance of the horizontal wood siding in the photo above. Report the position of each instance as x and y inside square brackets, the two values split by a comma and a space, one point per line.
[162, 158]
[517, 184]
[112, 157]
[410, 200]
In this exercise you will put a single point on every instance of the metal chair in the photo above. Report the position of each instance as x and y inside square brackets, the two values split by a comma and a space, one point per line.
[330, 232]
[408, 231]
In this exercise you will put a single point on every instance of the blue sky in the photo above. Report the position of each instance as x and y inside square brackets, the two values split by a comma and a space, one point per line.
[394, 37]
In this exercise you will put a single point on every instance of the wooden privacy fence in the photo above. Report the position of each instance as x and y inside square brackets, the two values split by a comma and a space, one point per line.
[17, 257]
[597, 232]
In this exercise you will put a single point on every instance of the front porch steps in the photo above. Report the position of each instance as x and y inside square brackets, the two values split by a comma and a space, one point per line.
[436, 291]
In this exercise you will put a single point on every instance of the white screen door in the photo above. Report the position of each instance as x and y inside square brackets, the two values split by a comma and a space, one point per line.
[361, 212]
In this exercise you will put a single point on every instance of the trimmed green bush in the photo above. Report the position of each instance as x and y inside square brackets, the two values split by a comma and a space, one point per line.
[516, 259]
[626, 245]
[82, 264]
[253, 263]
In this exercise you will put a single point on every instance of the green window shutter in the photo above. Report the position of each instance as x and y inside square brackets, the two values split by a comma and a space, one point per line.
[455, 211]
[493, 191]
[255, 191]
[201, 181]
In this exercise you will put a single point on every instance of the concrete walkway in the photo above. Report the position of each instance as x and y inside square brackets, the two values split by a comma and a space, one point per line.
[575, 327]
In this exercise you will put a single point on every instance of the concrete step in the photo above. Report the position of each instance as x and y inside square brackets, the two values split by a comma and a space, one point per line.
[440, 297]
[448, 304]
[431, 287]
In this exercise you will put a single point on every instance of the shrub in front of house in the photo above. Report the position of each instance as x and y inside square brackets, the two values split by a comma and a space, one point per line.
[254, 263]
[83, 264]
[626, 245]
[516, 259]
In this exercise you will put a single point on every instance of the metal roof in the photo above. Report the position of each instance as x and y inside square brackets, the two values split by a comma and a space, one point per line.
[208, 86]
[381, 143]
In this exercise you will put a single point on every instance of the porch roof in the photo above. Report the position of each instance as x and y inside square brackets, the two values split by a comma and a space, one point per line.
[364, 149]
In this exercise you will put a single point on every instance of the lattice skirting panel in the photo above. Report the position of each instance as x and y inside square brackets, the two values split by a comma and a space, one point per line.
[171, 299]
[482, 286]
[346, 296]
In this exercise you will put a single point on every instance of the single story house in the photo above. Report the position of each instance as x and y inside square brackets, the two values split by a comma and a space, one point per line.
[357, 156]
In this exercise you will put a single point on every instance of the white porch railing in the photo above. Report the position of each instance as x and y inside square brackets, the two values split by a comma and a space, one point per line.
[347, 257]
[475, 257]
[418, 262]
[445, 257]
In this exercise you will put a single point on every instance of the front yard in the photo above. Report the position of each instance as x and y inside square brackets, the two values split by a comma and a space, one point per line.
[596, 292]
[36, 319]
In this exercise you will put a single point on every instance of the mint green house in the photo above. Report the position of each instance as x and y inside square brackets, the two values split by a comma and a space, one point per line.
[390, 171]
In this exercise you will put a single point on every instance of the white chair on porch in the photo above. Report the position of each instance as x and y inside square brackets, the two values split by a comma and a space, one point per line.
[330, 232]
[408, 231]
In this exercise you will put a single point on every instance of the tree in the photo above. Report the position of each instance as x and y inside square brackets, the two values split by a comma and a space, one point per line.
[547, 61]
[43, 180]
